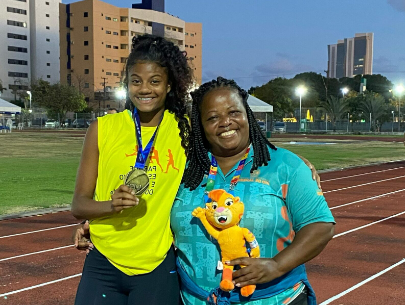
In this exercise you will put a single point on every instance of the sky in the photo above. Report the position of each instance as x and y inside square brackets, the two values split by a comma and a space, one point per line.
[253, 42]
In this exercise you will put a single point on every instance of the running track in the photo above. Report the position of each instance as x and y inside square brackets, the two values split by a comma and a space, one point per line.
[363, 264]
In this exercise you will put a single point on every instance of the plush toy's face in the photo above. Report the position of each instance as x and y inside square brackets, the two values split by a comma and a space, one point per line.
[225, 212]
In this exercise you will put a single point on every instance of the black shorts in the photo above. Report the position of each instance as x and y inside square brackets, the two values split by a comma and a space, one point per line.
[104, 284]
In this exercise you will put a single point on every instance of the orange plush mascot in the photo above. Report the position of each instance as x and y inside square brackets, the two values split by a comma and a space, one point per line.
[221, 219]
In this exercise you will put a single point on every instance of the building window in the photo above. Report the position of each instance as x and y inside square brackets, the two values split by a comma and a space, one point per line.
[107, 73]
[115, 19]
[22, 0]
[108, 46]
[167, 28]
[17, 23]
[107, 18]
[86, 29]
[149, 23]
[186, 45]
[17, 49]
[108, 32]
[116, 74]
[47, 3]
[192, 47]
[124, 46]
[115, 33]
[86, 71]
[86, 14]
[48, 76]
[86, 42]
[47, 15]
[16, 10]
[186, 34]
[124, 19]
[48, 40]
[115, 47]
[192, 35]
[48, 28]
[18, 62]
[86, 57]
[48, 52]
[48, 64]
[16, 36]
[108, 59]
[116, 61]
[18, 74]
[86, 85]
[123, 60]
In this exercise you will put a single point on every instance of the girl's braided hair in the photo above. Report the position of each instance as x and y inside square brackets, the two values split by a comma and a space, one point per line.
[163, 52]
[198, 161]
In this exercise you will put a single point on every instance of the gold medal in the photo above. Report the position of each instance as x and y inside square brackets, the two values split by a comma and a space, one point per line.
[137, 180]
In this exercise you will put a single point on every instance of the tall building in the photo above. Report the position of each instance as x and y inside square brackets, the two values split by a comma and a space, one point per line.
[29, 44]
[193, 47]
[351, 56]
[96, 39]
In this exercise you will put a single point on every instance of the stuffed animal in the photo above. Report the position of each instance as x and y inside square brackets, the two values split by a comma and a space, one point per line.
[221, 219]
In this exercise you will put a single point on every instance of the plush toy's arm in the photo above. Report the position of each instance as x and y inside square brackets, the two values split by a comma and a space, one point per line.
[200, 213]
[251, 239]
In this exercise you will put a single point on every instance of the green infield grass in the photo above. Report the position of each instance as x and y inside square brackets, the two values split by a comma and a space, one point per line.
[38, 170]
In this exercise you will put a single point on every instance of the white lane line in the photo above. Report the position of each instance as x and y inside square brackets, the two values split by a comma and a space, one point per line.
[32, 253]
[30, 232]
[39, 285]
[363, 184]
[366, 199]
[385, 170]
[367, 225]
[328, 301]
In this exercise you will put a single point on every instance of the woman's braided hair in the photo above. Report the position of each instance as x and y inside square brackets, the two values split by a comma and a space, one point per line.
[163, 52]
[198, 161]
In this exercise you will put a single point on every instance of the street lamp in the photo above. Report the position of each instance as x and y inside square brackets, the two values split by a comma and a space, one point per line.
[300, 91]
[399, 89]
[392, 121]
[344, 91]
[30, 95]
[121, 94]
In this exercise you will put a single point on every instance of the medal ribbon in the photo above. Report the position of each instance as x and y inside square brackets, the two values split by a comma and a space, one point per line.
[213, 172]
[142, 154]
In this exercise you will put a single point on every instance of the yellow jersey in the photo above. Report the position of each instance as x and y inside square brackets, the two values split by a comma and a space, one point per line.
[137, 239]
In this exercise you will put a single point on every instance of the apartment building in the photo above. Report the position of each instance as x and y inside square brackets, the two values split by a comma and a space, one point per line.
[193, 47]
[351, 56]
[96, 39]
[30, 44]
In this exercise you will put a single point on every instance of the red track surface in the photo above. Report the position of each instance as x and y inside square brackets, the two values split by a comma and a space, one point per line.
[349, 259]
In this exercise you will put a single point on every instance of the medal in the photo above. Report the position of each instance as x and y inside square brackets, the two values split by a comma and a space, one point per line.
[137, 180]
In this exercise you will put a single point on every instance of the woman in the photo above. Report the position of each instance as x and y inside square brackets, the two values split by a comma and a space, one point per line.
[284, 208]
[133, 259]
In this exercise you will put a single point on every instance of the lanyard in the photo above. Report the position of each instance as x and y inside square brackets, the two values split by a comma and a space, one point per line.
[142, 154]
[213, 172]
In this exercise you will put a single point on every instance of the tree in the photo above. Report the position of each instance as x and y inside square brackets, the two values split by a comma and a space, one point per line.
[277, 93]
[335, 108]
[374, 104]
[58, 99]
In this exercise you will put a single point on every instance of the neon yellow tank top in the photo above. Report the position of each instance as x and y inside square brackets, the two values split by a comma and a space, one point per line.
[136, 241]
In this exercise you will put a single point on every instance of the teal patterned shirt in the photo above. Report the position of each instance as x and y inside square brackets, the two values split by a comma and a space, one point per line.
[279, 200]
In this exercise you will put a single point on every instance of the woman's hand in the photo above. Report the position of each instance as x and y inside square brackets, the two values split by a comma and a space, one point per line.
[315, 175]
[123, 198]
[257, 271]
[81, 237]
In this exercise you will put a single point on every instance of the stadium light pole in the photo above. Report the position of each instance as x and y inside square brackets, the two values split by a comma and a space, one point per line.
[300, 91]
[399, 89]
[392, 121]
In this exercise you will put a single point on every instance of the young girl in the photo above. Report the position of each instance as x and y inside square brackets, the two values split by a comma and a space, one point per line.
[141, 150]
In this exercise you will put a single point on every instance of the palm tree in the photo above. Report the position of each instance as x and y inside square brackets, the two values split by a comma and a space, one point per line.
[374, 103]
[335, 107]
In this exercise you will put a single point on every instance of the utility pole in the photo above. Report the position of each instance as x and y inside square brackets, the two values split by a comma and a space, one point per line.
[104, 78]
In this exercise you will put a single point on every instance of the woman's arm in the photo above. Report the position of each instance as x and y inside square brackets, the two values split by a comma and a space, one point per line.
[308, 243]
[83, 204]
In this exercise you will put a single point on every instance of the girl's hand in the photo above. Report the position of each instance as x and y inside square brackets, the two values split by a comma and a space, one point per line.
[123, 198]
